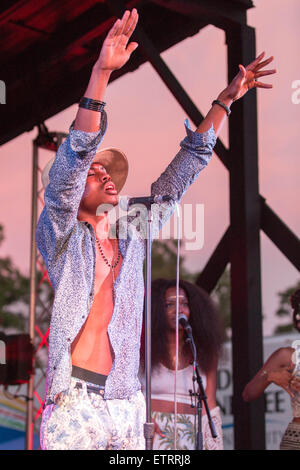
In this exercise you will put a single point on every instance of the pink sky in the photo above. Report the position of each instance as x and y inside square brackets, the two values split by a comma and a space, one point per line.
[146, 122]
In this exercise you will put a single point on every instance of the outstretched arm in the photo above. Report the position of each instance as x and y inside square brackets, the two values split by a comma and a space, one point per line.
[114, 54]
[245, 80]
[196, 148]
[68, 173]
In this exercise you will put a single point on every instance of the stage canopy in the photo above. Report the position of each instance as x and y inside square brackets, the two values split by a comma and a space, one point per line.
[49, 46]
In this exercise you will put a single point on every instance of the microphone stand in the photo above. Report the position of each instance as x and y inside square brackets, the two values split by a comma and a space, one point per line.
[148, 426]
[201, 397]
[147, 202]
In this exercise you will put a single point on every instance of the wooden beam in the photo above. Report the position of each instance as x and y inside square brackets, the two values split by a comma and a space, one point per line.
[8, 8]
[280, 234]
[39, 81]
[217, 12]
[175, 88]
[216, 264]
[246, 311]
[58, 45]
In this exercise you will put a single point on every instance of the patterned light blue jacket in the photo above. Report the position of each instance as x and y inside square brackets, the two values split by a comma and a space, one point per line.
[68, 247]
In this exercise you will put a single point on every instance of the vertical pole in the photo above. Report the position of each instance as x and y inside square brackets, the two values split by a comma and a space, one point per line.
[30, 388]
[148, 426]
[246, 311]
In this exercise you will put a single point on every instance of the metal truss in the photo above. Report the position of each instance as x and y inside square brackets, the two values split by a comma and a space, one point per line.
[40, 286]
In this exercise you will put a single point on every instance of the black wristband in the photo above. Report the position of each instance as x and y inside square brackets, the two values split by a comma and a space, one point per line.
[93, 105]
[228, 111]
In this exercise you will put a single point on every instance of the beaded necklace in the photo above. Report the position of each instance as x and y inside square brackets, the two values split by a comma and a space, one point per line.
[110, 265]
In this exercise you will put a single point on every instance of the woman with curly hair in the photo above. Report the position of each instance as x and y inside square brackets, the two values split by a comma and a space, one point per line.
[283, 369]
[202, 315]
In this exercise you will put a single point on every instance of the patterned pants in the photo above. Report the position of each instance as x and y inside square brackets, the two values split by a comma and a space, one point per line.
[83, 420]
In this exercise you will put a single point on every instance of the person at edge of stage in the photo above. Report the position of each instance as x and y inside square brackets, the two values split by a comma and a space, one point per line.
[93, 395]
[283, 369]
[208, 334]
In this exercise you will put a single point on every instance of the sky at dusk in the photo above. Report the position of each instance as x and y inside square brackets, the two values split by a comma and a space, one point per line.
[146, 122]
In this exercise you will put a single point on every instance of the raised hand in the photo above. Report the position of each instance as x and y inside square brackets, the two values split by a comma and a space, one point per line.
[115, 52]
[247, 78]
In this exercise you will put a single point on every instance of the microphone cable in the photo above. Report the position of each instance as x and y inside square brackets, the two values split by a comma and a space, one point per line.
[177, 320]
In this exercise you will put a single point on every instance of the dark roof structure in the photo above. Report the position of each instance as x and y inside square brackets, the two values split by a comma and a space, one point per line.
[49, 46]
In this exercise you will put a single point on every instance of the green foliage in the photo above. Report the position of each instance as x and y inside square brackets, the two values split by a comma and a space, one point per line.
[12, 320]
[221, 295]
[14, 287]
[15, 297]
[163, 261]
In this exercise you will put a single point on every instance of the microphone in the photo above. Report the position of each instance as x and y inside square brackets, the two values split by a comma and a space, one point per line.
[125, 202]
[182, 319]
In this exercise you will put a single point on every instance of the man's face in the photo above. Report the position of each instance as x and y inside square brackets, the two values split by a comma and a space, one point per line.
[99, 189]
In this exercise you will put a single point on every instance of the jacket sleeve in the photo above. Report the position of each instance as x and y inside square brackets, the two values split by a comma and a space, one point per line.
[67, 178]
[193, 156]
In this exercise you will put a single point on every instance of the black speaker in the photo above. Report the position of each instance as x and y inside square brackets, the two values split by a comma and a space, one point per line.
[16, 359]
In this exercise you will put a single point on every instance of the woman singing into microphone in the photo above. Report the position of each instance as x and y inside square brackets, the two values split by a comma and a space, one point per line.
[202, 315]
